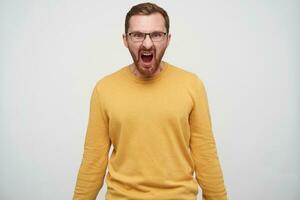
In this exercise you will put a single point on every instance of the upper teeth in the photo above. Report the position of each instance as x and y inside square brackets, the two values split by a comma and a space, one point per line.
[147, 54]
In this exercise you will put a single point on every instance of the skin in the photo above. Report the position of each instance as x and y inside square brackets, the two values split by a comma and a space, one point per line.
[147, 24]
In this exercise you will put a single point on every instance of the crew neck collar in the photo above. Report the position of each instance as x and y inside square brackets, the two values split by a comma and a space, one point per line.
[144, 80]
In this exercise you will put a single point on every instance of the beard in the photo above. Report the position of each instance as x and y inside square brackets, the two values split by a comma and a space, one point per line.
[150, 69]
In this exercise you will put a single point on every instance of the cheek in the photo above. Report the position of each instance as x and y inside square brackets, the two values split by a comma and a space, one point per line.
[134, 48]
[161, 48]
[133, 51]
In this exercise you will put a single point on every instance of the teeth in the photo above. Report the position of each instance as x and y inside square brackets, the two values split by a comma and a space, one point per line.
[147, 53]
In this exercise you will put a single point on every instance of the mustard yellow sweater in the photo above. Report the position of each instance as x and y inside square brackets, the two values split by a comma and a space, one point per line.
[161, 133]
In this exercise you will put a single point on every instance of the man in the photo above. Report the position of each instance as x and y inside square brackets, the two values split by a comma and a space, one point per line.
[156, 116]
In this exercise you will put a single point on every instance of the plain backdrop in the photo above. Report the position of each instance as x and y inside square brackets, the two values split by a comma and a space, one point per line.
[53, 52]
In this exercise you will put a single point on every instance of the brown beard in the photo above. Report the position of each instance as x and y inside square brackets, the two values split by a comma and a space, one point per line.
[134, 70]
[156, 64]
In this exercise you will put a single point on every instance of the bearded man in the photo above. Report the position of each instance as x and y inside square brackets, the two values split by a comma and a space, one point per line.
[156, 117]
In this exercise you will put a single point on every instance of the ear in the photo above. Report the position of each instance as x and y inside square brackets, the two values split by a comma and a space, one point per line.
[125, 40]
[168, 38]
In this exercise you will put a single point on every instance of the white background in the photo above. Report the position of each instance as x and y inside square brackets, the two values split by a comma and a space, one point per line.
[53, 52]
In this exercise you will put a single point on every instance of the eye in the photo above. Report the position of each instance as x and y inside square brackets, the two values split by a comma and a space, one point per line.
[156, 34]
[137, 35]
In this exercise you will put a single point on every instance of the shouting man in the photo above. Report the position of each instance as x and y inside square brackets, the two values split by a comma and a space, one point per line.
[156, 117]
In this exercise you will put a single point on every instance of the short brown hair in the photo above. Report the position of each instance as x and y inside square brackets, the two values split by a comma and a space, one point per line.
[146, 9]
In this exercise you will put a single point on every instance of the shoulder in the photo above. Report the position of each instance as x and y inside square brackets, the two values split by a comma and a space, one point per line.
[110, 81]
[190, 78]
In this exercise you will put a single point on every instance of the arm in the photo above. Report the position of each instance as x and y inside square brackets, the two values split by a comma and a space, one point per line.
[203, 148]
[95, 157]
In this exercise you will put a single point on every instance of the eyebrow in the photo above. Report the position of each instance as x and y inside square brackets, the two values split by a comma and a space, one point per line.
[147, 32]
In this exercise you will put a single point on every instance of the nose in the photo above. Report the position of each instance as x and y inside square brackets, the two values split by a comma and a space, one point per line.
[147, 43]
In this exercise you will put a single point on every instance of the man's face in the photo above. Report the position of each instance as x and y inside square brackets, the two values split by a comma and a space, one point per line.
[147, 54]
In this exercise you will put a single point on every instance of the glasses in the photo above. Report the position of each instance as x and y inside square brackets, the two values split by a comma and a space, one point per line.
[154, 36]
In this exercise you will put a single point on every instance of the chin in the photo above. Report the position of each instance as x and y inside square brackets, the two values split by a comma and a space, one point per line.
[148, 72]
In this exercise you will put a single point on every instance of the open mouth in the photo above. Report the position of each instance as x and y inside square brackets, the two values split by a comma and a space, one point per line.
[146, 57]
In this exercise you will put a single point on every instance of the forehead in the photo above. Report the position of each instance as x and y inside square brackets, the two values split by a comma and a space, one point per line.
[147, 23]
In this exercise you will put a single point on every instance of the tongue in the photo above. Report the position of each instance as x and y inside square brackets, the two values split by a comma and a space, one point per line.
[147, 58]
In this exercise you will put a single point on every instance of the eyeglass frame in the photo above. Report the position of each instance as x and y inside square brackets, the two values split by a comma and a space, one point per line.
[145, 35]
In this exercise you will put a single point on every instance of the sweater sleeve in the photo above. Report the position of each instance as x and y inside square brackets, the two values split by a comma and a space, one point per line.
[203, 148]
[95, 156]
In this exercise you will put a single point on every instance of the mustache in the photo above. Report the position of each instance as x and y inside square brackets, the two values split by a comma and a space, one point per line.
[147, 50]
[153, 51]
